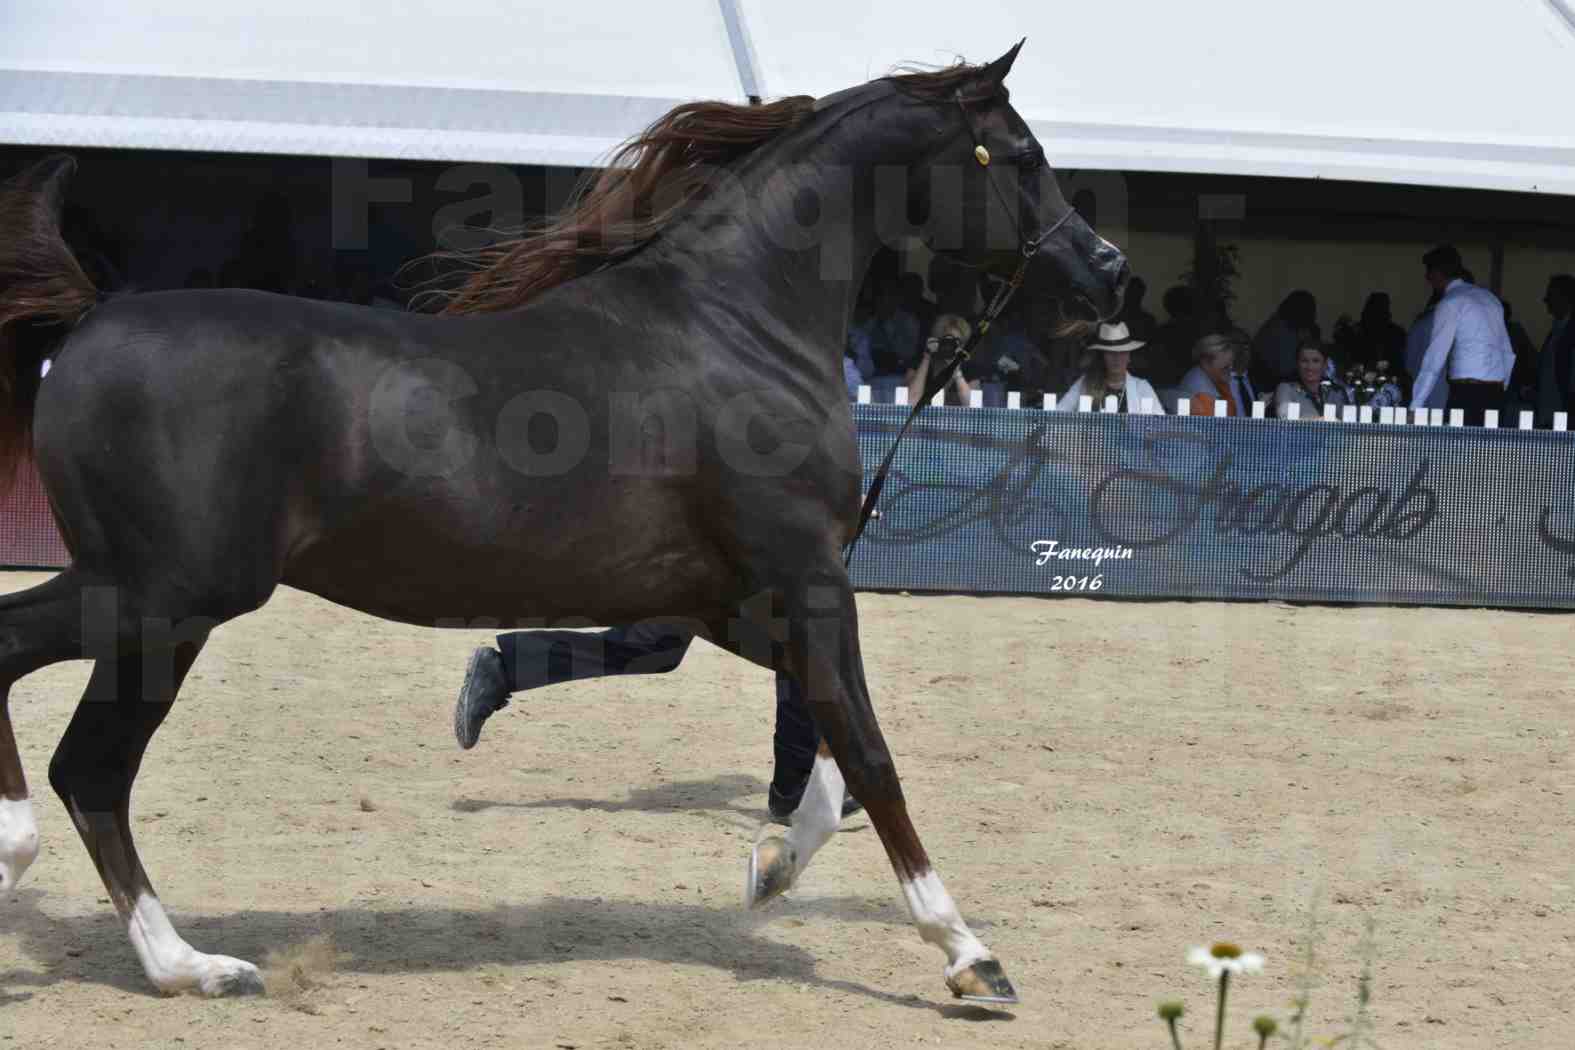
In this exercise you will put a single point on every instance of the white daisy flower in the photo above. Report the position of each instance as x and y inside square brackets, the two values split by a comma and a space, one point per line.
[1224, 957]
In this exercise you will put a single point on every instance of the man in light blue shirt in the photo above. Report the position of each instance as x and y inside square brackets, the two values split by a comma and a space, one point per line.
[1416, 342]
[1468, 339]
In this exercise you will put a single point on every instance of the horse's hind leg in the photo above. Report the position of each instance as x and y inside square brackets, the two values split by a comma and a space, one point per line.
[823, 651]
[39, 626]
[127, 698]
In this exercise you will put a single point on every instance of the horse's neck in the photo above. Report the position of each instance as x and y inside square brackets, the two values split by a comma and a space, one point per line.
[807, 275]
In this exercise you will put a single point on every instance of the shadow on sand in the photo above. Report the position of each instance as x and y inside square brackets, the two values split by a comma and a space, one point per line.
[374, 940]
[719, 795]
[432, 940]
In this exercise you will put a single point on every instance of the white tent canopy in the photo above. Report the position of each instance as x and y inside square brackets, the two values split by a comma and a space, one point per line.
[462, 80]
[1441, 92]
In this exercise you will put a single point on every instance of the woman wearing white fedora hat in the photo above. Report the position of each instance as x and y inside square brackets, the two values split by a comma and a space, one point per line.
[1105, 375]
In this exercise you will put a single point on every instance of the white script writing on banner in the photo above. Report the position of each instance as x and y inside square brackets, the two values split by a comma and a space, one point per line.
[1047, 549]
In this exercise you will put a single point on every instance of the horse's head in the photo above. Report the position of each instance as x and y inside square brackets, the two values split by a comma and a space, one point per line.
[988, 160]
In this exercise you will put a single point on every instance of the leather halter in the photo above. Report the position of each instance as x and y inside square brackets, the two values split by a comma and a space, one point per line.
[1028, 247]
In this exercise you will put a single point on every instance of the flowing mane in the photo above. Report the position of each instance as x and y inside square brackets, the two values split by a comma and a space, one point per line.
[648, 181]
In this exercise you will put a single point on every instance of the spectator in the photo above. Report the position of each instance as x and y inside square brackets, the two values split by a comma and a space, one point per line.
[1139, 321]
[889, 337]
[985, 365]
[852, 377]
[1416, 341]
[1038, 358]
[1105, 374]
[1011, 345]
[950, 290]
[949, 331]
[1469, 341]
[1553, 364]
[1274, 348]
[1169, 352]
[1522, 393]
[1312, 389]
[910, 294]
[1210, 378]
[1242, 390]
[1378, 338]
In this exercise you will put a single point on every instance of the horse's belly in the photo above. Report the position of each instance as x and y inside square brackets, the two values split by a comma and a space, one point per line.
[434, 566]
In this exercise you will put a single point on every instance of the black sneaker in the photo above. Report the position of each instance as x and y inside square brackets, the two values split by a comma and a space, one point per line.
[486, 690]
[782, 810]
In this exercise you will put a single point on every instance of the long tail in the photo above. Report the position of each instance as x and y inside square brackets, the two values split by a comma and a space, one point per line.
[43, 293]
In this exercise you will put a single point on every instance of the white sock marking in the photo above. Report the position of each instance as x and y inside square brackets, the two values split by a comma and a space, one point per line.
[818, 813]
[940, 923]
[18, 840]
[172, 964]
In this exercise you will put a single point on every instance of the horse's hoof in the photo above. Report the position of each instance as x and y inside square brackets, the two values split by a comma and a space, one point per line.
[230, 977]
[771, 866]
[18, 841]
[983, 982]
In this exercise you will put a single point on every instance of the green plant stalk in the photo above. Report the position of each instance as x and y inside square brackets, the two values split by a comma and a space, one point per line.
[1219, 1020]
[1304, 984]
[1175, 1038]
[1364, 985]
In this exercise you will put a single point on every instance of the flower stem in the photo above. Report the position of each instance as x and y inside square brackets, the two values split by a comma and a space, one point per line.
[1219, 1021]
[1175, 1040]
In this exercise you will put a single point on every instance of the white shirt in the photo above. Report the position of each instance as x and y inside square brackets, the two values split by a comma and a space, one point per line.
[1469, 336]
[1137, 390]
[1416, 342]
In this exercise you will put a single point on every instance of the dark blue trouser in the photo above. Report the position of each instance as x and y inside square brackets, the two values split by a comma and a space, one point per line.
[532, 659]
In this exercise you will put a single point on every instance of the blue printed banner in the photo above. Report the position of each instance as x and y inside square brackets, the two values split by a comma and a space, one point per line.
[1026, 502]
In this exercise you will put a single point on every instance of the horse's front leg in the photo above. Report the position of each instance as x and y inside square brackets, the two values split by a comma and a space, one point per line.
[823, 652]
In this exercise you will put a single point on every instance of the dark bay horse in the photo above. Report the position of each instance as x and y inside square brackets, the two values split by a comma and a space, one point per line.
[638, 413]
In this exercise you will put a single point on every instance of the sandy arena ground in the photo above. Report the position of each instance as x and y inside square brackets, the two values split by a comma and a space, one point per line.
[1102, 785]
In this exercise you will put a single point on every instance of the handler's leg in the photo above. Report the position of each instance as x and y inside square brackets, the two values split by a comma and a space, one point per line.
[531, 659]
[795, 743]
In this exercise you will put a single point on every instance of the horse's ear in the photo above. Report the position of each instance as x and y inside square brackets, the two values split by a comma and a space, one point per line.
[993, 75]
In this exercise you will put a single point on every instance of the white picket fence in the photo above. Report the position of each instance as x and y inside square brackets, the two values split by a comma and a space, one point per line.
[1386, 416]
